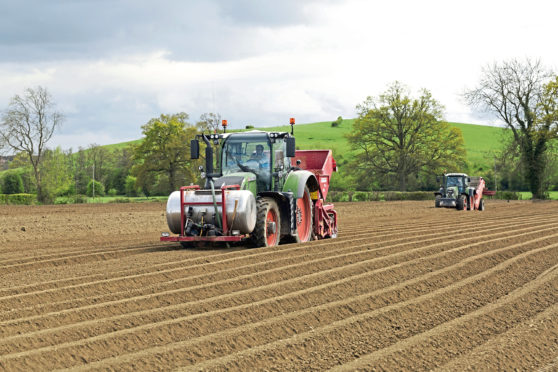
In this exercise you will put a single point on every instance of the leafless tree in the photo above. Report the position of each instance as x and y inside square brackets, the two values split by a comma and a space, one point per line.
[514, 91]
[27, 125]
[209, 122]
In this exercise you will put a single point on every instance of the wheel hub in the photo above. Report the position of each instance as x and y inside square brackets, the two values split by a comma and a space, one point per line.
[271, 228]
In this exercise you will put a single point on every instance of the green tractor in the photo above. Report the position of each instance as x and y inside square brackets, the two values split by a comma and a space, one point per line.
[460, 191]
[259, 190]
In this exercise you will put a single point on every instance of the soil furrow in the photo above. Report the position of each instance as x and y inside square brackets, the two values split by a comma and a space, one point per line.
[405, 286]
[338, 322]
[437, 264]
[341, 342]
[125, 283]
[513, 349]
[474, 329]
[230, 285]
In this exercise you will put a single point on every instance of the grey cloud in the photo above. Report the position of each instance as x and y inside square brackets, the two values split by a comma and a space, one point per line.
[263, 13]
[114, 112]
[190, 30]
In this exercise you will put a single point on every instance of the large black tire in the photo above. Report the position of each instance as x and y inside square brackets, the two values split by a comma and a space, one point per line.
[460, 202]
[437, 201]
[268, 223]
[481, 205]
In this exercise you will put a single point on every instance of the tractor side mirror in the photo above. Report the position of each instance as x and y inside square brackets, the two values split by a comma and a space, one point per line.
[194, 149]
[468, 179]
[438, 179]
[291, 147]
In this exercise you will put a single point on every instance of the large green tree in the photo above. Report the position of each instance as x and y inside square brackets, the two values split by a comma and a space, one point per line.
[519, 94]
[165, 151]
[57, 174]
[402, 138]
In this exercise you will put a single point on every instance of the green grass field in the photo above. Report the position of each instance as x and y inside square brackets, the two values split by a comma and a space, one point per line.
[526, 195]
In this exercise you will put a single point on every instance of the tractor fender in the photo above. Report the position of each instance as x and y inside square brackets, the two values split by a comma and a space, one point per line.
[297, 180]
[286, 202]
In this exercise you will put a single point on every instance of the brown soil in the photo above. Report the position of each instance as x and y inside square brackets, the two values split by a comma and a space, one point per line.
[405, 286]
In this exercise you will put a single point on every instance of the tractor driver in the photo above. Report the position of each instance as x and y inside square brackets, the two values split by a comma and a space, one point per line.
[258, 155]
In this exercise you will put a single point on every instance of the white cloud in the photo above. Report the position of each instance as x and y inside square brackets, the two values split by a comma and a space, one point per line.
[315, 68]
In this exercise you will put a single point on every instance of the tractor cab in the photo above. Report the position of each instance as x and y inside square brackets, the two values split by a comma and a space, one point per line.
[458, 182]
[260, 154]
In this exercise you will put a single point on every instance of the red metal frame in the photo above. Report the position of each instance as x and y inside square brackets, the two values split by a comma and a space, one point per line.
[222, 203]
[474, 202]
[478, 194]
[225, 238]
[323, 227]
[319, 162]
[322, 164]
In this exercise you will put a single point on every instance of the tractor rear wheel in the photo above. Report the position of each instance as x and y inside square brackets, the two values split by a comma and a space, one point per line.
[481, 205]
[304, 218]
[461, 203]
[268, 223]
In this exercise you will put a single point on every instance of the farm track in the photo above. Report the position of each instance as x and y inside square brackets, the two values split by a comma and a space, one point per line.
[404, 287]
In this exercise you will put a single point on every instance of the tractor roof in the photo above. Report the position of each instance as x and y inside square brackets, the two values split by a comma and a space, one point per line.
[256, 133]
[456, 174]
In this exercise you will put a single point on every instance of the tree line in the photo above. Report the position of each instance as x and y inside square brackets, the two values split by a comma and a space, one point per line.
[402, 142]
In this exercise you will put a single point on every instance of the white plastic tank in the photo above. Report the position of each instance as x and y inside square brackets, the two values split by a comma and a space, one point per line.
[244, 220]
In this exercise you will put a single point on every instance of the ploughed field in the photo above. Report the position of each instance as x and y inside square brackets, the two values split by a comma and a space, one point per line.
[405, 286]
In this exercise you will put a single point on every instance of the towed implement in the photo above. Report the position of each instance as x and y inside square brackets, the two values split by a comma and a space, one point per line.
[260, 190]
[460, 191]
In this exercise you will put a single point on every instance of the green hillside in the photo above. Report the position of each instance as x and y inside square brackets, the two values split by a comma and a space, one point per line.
[121, 145]
[480, 141]
[321, 136]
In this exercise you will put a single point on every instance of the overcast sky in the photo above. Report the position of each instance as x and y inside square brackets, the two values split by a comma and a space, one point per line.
[113, 65]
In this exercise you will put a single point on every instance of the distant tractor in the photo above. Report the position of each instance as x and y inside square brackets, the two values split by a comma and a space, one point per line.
[260, 191]
[460, 191]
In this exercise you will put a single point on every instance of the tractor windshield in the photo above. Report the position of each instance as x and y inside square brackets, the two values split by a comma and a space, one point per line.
[455, 181]
[248, 153]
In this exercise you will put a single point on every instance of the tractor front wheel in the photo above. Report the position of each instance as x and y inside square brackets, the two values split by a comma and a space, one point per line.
[481, 205]
[268, 223]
